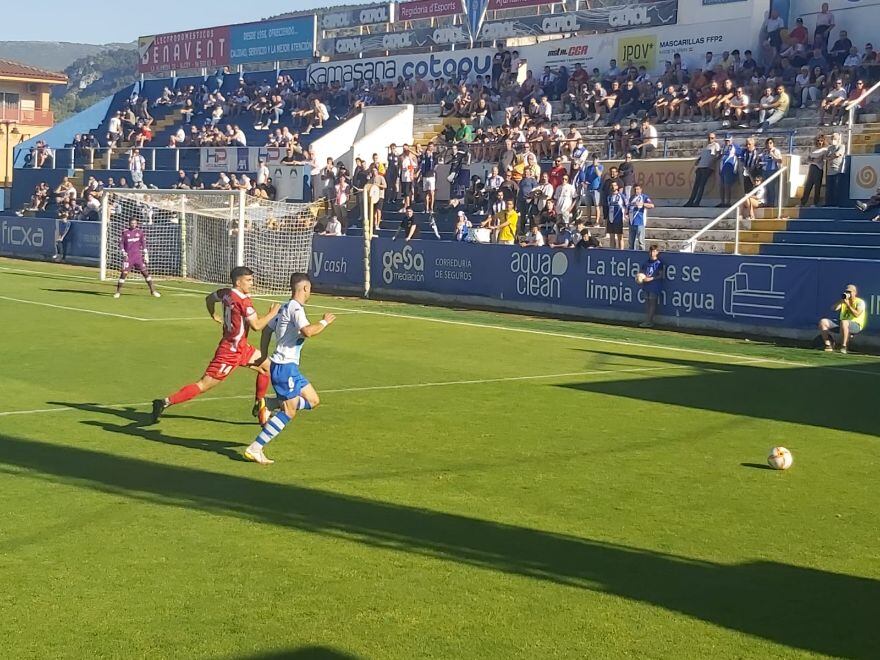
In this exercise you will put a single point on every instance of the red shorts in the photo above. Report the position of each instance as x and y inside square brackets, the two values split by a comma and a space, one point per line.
[225, 361]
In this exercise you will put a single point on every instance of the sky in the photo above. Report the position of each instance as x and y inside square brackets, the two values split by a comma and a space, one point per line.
[88, 21]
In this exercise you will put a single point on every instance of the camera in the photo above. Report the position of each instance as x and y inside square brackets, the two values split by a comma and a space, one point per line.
[845, 295]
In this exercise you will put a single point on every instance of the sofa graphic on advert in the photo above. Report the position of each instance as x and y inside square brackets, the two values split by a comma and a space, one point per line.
[753, 291]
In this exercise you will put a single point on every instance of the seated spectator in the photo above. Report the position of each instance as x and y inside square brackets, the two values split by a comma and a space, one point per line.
[333, 227]
[756, 199]
[832, 107]
[872, 205]
[648, 141]
[534, 237]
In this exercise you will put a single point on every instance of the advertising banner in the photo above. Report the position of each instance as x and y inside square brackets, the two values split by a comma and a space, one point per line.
[268, 41]
[459, 65]
[864, 176]
[193, 49]
[337, 262]
[392, 41]
[290, 181]
[231, 160]
[497, 5]
[27, 237]
[422, 9]
[643, 47]
[286, 39]
[368, 15]
[83, 241]
[626, 17]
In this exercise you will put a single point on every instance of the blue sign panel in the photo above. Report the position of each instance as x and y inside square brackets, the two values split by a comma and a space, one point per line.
[285, 39]
[337, 262]
[779, 292]
[27, 237]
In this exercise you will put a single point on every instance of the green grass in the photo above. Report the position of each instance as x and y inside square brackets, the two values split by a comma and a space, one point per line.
[609, 504]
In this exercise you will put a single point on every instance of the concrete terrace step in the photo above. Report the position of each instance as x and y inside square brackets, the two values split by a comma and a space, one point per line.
[677, 234]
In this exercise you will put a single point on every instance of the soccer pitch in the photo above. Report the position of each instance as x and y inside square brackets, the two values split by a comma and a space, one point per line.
[474, 485]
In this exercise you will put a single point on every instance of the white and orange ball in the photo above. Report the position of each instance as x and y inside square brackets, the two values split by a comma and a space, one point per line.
[640, 278]
[780, 458]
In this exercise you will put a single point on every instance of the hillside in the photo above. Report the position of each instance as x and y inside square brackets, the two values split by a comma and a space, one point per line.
[53, 55]
[93, 77]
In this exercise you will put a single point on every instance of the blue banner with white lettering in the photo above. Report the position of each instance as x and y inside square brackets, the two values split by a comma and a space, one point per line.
[33, 238]
[337, 262]
[284, 39]
[783, 292]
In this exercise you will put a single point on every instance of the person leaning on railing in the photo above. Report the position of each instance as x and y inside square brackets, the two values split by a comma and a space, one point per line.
[852, 318]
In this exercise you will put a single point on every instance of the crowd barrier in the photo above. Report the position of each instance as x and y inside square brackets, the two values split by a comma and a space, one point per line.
[34, 238]
[773, 296]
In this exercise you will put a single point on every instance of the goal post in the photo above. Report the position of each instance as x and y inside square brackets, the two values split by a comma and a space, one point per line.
[202, 235]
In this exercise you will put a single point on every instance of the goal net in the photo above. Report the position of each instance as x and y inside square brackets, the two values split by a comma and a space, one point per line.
[202, 235]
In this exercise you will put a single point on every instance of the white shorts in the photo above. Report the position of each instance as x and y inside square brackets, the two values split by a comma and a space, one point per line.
[429, 183]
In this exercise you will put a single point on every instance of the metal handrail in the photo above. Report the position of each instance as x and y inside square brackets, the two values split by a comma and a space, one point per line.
[691, 243]
[852, 113]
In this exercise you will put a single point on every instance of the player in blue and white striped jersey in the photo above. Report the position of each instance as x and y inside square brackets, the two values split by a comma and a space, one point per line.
[291, 329]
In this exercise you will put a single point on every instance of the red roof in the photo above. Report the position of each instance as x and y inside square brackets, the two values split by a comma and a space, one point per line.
[19, 70]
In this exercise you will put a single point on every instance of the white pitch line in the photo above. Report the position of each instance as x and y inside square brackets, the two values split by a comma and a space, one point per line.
[73, 309]
[405, 386]
[546, 333]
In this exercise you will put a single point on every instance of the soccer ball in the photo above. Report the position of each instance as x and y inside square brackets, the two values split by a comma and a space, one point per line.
[640, 278]
[780, 458]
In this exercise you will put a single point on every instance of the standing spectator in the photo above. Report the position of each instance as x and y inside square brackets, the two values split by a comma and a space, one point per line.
[377, 195]
[728, 171]
[835, 158]
[114, 130]
[136, 165]
[749, 165]
[263, 173]
[639, 204]
[328, 179]
[341, 193]
[593, 193]
[651, 280]
[627, 172]
[771, 162]
[774, 26]
[616, 215]
[409, 166]
[508, 221]
[704, 166]
[824, 24]
[428, 172]
[565, 196]
[814, 174]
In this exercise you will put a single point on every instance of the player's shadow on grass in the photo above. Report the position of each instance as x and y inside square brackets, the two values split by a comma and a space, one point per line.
[139, 426]
[303, 653]
[823, 395]
[803, 608]
[84, 292]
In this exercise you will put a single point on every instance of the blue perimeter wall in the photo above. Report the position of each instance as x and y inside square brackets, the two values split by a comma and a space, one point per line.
[776, 296]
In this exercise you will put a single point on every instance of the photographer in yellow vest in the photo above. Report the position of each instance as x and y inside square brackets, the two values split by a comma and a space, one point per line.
[851, 320]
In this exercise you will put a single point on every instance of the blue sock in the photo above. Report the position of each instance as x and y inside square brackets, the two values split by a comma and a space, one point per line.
[303, 404]
[274, 427]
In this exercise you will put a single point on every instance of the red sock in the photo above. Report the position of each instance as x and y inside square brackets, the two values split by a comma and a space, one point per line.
[262, 385]
[184, 394]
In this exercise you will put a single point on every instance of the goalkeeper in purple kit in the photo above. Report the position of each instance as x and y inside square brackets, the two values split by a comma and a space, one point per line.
[133, 244]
